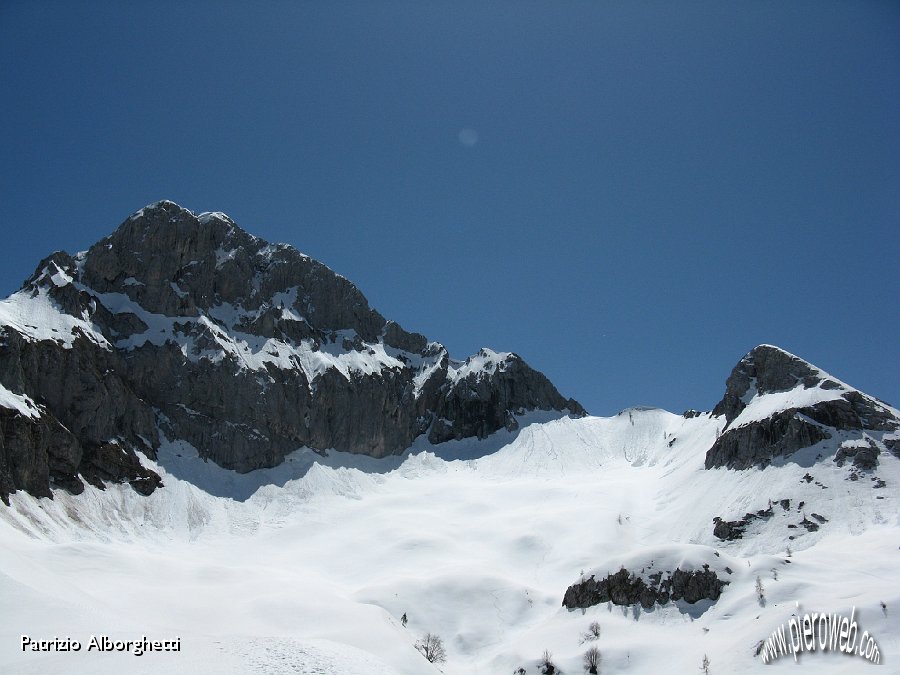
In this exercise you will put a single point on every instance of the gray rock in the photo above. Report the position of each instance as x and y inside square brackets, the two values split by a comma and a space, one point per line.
[484, 401]
[35, 454]
[395, 336]
[758, 443]
[87, 405]
[729, 530]
[627, 588]
[864, 458]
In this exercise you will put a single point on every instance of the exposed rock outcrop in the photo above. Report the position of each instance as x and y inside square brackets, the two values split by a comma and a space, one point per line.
[486, 394]
[35, 454]
[729, 530]
[864, 455]
[776, 404]
[186, 325]
[627, 588]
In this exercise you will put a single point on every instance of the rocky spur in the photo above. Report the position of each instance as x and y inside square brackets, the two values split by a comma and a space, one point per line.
[101, 643]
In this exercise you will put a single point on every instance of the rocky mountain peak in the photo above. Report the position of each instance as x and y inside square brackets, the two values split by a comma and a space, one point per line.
[170, 233]
[768, 369]
[185, 327]
[171, 262]
[776, 404]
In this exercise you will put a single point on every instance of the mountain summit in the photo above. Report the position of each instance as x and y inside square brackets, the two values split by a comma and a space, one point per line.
[186, 327]
[776, 404]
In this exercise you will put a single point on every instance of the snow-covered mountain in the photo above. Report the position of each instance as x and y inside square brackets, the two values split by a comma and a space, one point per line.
[184, 327]
[496, 521]
[776, 404]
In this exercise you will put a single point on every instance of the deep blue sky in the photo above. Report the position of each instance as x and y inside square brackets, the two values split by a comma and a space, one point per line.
[644, 190]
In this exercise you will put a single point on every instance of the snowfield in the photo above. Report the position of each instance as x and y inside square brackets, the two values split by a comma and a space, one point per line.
[308, 567]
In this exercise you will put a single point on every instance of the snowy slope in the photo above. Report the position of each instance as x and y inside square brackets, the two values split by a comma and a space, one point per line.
[36, 316]
[312, 571]
[20, 403]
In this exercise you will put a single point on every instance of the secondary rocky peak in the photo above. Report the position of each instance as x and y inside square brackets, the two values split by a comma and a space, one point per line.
[486, 392]
[768, 369]
[776, 404]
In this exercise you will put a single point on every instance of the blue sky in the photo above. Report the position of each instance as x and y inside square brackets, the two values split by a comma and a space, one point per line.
[631, 195]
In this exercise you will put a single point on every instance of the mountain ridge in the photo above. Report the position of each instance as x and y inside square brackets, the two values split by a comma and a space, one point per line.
[188, 327]
[184, 327]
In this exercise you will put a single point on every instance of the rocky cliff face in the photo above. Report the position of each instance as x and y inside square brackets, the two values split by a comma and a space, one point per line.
[186, 326]
[777, 404]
